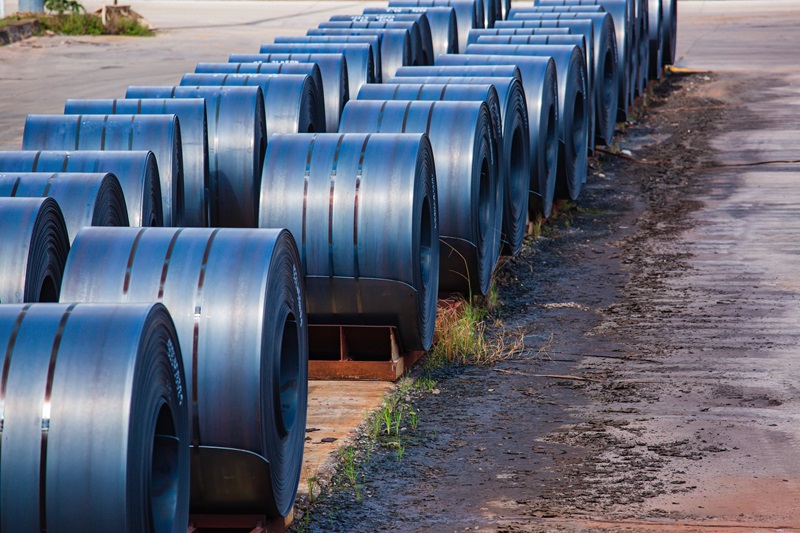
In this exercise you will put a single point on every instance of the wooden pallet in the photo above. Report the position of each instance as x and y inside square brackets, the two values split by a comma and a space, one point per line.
[356, 353]
[251, 523]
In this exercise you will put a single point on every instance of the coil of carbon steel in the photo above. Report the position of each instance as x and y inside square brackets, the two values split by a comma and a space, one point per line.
[513, 146]
[236, 143]
[290, 100]
[33, 249]
[237, 300]
[394, 46]
[466, 174]
[366, 260]
[95, 420]
[469, 14]
[539, 81]
[461, 71]
[333, 68]
[655, 26]
[421, 51]
[643, 38]
[309, 69]
[670, 24]
[160, 134]
[136, 171]
[442, 22]
[85, 199]
[572, 107]
[575, 40]
[623, 15]
[474, 35]
[358, 58]
[423, 26]
[191, 114]
[373, 40]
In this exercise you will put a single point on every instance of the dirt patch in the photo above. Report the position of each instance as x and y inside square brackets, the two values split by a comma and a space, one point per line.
[550, 438]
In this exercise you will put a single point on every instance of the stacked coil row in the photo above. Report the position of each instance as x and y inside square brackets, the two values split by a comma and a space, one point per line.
[345, 177]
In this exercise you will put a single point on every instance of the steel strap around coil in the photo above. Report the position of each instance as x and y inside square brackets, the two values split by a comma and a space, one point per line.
[358, 58]
[236, 143]
[191, 114]
[160, 134]
[369, 258]
[238, 301]
[465, 157]
[85, 199]
[93, 418]
[33, 249]
[333, 68]
[572, 95]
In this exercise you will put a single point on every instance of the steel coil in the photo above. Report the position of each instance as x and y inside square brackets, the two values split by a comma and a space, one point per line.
[655, 36]
[462, 71]
[95, 420]
[333, 68]
[469, 14]
[33, 249]
[191, 114]
[462, 134]
[236, 143]
[421, 51]
[373, 40]
[358, 58]
[136, 171]
[85, 199]
[670, 23]
[161, 134]
[420, 19]
[394, 45]
[290, 100]
[368, 258]
[622, 13]
[442, 22]
[539, 80]
[513, 145]
[572, 107]
[574, 40]
[474, 35]
[237, 300]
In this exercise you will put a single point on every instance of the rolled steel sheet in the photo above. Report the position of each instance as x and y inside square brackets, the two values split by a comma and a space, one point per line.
[469, 14]
[136, 171]
[474, 35]
[191, 114]
[420, 18]
[572, 107]
[236, 144]
[539, 80]
[373, 40]
[513, 147]
[33, 249]
[333, 68]
[421, 50]
[575, 40]
[462, 71]
[237, 299]
[442, 22]
[367, 259]
[462, 134]
[622, 12]
[95, 420]
[290, 100]
[641, 44]
[85, 199]
[655, 26]
[394, 45]
[358, 58]
[670, 24]
[161, 134]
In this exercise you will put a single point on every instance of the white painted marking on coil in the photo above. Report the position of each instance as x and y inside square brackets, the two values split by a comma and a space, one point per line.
[176, 372]
[297, 288]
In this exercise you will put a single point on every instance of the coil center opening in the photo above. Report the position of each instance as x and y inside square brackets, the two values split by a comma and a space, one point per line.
[288, 374]
[550, 148]
[425, 233]
[484, 200]
[608, 80]
[578, 125]
[48, 292]
[519, 181]
[164, 472]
